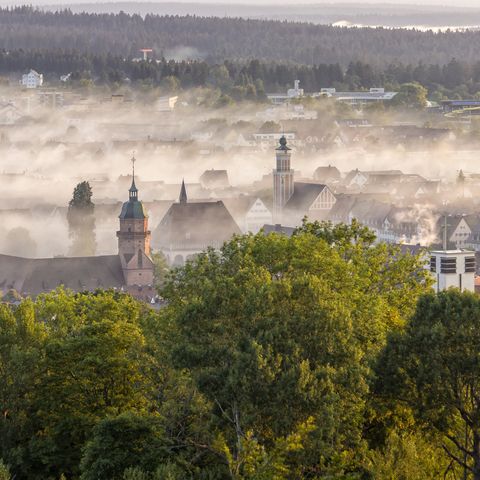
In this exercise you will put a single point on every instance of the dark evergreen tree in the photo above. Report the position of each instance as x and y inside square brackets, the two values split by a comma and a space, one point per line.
[81, 221]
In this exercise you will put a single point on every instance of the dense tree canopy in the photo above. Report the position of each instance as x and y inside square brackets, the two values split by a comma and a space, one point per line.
[434, 366]
[219, 39]
[275, 358]
[276, 330]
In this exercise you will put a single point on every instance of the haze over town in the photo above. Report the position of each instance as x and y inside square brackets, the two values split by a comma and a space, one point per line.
[239, 240]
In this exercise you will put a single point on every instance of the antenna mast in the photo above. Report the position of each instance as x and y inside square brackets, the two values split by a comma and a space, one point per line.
[445, 226]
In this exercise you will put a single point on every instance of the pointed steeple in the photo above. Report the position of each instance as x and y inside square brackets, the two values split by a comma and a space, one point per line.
[133, 191]
[183, 193]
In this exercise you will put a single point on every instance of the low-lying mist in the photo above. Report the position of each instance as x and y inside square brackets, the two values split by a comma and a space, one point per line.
[46, 152]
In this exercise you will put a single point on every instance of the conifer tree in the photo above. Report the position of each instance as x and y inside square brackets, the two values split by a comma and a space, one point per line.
[81, 221]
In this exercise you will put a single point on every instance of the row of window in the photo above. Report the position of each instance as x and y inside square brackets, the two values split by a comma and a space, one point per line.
[449, 264]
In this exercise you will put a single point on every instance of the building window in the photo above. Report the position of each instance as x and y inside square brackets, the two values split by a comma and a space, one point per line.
[448, 265]
[470, 265]
[433, 264]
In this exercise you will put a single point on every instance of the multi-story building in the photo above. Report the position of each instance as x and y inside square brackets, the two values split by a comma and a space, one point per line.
[32, 79]
[453, 268]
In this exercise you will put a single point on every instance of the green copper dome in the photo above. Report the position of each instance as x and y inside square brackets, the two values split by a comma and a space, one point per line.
[133, 209]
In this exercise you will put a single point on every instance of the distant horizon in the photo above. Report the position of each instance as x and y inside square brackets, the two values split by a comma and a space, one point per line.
[284, 3]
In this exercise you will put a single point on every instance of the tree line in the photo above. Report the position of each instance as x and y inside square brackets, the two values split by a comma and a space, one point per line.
[250, 80]
[320, 356]
[217, 39]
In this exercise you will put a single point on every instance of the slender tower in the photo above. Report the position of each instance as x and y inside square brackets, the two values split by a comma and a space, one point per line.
[134, 239]
[282, 180]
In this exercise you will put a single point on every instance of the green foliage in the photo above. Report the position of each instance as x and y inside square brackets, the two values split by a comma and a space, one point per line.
[4, 471]
[123, 442]
[275, 358]
[135, 473]
[411, 95]
[160, 268]
[82, 198]
[253, 461]
[408, 457]
[275, 330]
[433, 367]
[69, 360]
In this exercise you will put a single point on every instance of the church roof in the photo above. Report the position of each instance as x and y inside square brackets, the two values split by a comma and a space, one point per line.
[304, 194]
[35, 276]
[195, 225]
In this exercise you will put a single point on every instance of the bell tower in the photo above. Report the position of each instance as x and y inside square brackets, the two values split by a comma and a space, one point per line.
[134, 239]
[282, 180]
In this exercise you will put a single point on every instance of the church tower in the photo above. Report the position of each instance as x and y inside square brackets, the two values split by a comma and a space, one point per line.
[282, 180]
[134, 240]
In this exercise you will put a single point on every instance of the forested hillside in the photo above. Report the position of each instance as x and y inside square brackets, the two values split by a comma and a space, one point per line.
[241, 80]
[217, 39]
[320, 13]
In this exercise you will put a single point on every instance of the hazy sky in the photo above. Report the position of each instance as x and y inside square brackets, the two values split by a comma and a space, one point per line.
[451, 3]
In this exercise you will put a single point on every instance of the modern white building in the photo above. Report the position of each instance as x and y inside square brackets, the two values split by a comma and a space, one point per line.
[166, 104]
[32, 79]
[453, 268]
[374, 95]
[295, 92]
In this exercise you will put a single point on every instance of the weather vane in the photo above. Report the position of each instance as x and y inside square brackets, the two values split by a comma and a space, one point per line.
[133, 163]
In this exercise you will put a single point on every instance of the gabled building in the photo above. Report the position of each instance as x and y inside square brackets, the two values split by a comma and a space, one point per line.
[214, 179]
[32, 79]
[250, 213]
[188, 228]
[327, 174]
[308, 199]
[460, 230]
[340, 212]
[355, 179]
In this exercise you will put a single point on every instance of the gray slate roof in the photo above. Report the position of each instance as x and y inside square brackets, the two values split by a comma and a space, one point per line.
[304, 194]
[35, 276]
[195, 225]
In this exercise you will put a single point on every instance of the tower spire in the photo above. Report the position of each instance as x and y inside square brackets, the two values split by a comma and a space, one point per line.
[133, 192]
[183, 193]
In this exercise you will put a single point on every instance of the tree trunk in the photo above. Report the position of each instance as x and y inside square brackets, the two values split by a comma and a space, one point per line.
[476, 456]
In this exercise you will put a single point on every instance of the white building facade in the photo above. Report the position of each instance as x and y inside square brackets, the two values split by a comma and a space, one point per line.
[453, 268]
[32, 79]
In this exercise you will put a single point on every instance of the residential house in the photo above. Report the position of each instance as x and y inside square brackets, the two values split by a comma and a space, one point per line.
[308, 199]
[214, 179]
[251, 213]
[327, 174]
[32, 79]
